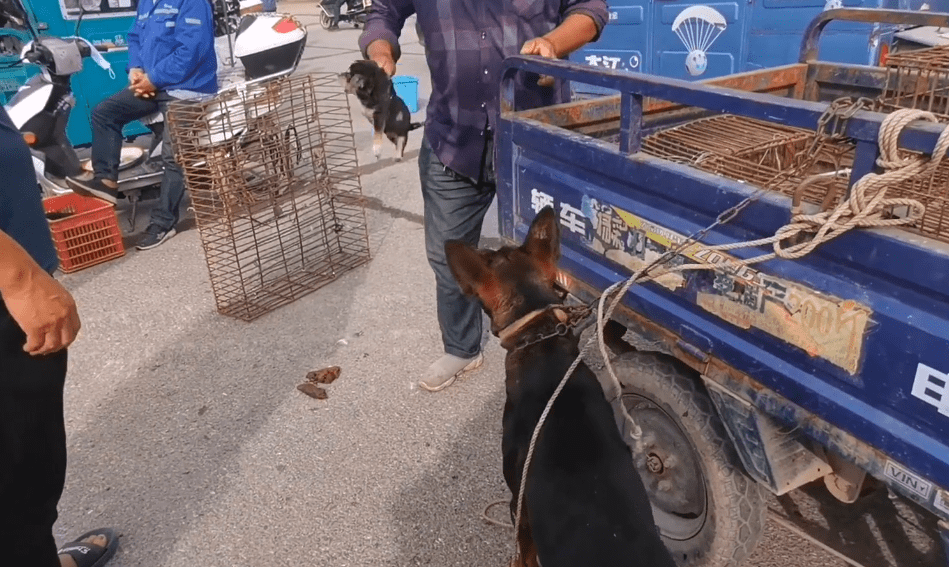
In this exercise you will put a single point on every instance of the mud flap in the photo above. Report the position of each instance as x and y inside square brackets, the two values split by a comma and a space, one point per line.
[771, 454]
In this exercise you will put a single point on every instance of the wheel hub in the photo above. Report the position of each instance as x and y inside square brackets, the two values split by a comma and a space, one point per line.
[654, 464]
[670, 471]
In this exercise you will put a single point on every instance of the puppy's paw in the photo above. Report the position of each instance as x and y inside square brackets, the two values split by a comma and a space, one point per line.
[377, 150]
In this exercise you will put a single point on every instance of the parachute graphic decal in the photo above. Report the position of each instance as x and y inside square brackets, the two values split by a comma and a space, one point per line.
[698, 27]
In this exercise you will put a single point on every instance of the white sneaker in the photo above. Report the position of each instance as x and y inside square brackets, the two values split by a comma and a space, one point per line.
[443, 372]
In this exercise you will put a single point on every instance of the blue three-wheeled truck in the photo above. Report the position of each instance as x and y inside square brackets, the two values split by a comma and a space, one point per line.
[831, 368]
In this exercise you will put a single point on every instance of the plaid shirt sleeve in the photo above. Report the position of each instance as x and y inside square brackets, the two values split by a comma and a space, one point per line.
[385, 21]
[596, 9]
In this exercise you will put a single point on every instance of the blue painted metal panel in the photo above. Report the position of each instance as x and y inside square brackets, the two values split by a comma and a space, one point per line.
[757, 34]
[623, 42]
[673, 41]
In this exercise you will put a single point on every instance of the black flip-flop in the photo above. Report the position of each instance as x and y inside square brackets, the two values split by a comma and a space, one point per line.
[88, 554]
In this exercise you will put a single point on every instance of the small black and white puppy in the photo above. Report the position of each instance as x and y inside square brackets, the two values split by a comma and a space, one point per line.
[388, 113]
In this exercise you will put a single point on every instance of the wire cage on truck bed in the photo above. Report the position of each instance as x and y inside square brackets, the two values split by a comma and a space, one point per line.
[273, 177]
[760, 153]
[769, 155]
[920, 79]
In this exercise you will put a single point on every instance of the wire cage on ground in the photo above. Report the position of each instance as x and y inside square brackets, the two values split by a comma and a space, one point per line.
[274, 182]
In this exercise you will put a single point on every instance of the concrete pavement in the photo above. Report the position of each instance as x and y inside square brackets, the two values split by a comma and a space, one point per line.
[186, 431]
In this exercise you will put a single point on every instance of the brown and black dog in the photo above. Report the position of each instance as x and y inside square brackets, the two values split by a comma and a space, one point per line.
[388, 113]
[584, 504]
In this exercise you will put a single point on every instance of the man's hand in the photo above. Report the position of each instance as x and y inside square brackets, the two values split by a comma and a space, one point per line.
[135, 74]
[45, 311]
[545, 48]
[540, 46]
[381, 52]
[143, 87]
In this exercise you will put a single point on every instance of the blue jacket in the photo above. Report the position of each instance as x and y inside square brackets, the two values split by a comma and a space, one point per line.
[173, 42]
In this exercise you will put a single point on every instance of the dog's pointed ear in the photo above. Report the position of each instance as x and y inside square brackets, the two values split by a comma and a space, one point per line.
[543, 238]
[471, 271]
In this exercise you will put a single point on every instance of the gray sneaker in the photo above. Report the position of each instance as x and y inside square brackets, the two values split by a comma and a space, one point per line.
[155, 237]
[443, 372]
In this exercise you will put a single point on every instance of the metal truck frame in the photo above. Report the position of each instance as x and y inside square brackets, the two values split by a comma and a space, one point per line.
[833, 366]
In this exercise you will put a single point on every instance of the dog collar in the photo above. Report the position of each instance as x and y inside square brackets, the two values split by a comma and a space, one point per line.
[561, 319]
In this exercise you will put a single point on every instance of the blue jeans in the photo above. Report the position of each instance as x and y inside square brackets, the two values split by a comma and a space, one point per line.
[454, 210]
[108, 119]
[335, 6]
[269, 5]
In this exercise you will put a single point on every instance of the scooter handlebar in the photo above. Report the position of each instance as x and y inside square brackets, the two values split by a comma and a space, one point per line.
[40, 54]
[84, 49]
[37, 54]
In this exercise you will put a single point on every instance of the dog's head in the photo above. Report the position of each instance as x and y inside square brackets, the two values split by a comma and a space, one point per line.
[511, 282]
[363, 78]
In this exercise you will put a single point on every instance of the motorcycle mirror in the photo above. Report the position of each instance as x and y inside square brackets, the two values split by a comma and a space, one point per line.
[82, 12]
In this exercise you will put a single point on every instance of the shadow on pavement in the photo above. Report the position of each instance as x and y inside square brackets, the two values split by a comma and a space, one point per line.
[161, 450]
[438, 517]
[380, 164]
[875, 531]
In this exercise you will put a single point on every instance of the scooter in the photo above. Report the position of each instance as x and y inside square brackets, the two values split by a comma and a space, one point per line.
[41, 109]
[356, 13]
[268, 45]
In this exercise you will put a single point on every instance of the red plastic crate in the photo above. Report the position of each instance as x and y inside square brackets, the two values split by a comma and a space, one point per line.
[89, 235]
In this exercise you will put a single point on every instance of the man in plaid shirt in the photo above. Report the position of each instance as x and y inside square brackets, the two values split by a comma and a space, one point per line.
[465, 43]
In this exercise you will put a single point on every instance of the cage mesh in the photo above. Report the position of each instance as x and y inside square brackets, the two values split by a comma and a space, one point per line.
[761, 154]
[274, 183]
[755, 152]
[919, 79]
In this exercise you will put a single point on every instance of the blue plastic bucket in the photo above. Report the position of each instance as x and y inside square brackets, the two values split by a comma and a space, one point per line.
[407, 89]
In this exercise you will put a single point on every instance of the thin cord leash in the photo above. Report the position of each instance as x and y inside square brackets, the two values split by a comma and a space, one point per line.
[863, 208]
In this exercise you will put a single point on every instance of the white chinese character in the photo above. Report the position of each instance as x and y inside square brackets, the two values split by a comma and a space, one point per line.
[539, 200]
[594, 60]
[572, 218]
[932, 386]
[614, 16]
[611, 62]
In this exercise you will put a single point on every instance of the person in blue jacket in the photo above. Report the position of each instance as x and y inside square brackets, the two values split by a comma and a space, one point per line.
[171, 56]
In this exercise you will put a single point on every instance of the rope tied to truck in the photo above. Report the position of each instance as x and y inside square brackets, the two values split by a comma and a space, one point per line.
[865, 207]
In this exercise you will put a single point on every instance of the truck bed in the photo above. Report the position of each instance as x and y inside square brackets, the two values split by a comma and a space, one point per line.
[847, 344]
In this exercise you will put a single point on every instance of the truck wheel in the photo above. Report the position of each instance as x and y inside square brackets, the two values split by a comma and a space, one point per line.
[708, 511]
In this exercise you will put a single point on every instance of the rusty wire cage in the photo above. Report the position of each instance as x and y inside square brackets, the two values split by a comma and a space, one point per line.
[919, 79]
[273, 177]
[759, 153]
